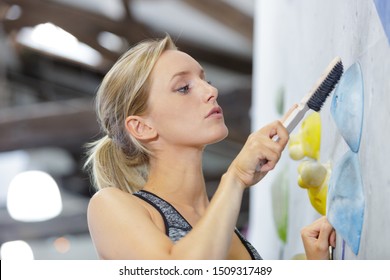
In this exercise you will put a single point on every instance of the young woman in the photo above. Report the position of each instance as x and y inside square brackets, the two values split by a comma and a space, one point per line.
[158, 112]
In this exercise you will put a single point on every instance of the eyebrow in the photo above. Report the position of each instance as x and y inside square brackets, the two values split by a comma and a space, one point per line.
[183, 73]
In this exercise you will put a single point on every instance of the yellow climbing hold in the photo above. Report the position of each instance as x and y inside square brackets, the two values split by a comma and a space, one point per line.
[318, 198]
[314, 177]
[311, 174]
[307, 142]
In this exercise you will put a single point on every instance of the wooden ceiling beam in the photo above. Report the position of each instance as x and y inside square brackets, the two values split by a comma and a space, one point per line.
[226, 14]
[217, 57]
[86, 26]
[65, 124]
[126, 7]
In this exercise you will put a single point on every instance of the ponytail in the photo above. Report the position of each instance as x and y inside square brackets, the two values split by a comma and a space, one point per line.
[118, 159]
[111, 167]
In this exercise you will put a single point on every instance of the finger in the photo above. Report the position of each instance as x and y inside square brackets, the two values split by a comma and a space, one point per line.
[313, 229]
[332, 239]
[325, 232]
[279, 134]
[267, 159]
[262, 139]
[271, 159]
[268, 150]
[284, 136]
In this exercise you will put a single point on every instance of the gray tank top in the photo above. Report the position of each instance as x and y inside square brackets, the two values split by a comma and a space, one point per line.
[176, 226]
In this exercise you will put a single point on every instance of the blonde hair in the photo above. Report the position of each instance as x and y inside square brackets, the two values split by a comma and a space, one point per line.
[118, 159]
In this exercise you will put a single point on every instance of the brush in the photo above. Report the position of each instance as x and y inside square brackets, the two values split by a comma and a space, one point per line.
[317, 95]
[315, 98]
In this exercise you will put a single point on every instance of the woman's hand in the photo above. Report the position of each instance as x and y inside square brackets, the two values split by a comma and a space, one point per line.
[259, 154]
[317, 238]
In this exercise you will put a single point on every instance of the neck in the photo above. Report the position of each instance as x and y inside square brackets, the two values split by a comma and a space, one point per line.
[176, 175]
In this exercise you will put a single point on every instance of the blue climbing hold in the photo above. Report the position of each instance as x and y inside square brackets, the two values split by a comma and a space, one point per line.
[348, 106]
[345, 202]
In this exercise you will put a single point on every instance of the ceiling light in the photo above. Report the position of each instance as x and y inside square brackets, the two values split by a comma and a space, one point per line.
[50, 38]
[16, 250]
[33, 196]
[111, 41]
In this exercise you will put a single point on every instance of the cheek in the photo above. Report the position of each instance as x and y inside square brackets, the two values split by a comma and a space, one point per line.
[176, 119]
[178, 113]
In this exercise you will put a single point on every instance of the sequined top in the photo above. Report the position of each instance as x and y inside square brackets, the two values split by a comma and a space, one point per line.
[176, 226]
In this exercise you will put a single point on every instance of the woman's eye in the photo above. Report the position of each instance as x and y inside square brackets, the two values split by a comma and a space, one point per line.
[184, 89]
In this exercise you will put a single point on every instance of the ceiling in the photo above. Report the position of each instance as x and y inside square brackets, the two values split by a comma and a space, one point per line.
[46, 96]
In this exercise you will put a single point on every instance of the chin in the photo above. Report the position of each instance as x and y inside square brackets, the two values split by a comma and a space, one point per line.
[220, 135]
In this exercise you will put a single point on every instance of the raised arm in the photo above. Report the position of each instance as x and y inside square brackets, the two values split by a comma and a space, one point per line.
[122, 228]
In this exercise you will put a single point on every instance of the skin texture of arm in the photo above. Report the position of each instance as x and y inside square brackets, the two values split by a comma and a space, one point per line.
[122, 228]
[136, 236]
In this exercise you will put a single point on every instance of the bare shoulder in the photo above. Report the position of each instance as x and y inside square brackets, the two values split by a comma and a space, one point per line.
[109, 195]
[122, 227]
[112, 218]
[113, 201]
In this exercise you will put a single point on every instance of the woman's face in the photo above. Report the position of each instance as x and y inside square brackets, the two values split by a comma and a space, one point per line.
[182, 104]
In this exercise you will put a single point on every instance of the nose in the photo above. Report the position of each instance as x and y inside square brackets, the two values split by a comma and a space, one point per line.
[211, 92]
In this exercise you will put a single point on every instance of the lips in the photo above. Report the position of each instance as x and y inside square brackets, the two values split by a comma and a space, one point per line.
[216, 111]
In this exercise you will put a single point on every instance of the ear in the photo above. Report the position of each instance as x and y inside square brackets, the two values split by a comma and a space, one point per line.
[139, 128]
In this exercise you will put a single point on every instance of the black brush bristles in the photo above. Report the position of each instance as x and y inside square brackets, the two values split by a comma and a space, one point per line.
[319, 96]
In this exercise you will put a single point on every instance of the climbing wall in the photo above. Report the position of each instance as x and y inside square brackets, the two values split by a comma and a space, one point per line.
[347, 178]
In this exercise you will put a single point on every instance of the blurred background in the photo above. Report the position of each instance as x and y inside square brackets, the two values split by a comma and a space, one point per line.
[53, 55]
